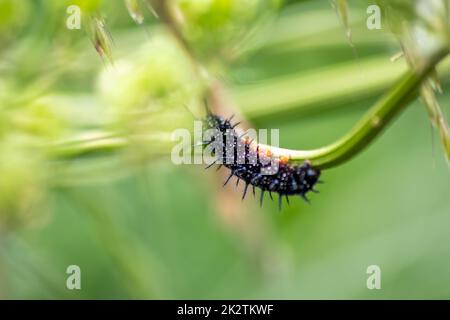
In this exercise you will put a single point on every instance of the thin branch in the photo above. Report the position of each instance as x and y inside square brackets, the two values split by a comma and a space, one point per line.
[99, 142]
[370, 125]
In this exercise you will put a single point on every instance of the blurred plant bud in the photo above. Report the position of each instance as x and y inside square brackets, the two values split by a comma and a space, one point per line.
[101, 38]
[341, 7]
[147, 92]
[421, 26]
[40, 119]
[216, 26]
[22, 184]
[135, 11]
[436, 115]
[25, 131]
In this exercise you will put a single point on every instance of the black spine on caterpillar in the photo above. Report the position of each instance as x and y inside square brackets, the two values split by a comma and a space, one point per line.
[248, 165]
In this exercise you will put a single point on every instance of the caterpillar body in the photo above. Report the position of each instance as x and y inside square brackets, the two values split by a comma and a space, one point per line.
[252, 165]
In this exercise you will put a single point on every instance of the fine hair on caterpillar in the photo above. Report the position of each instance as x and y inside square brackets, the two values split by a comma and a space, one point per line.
[256, 166]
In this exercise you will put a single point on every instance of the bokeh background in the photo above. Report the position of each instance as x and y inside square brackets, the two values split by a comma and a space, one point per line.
[141, 227]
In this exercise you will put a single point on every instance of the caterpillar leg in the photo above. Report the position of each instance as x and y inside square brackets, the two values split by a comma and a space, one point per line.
[245, 191]
[261, 199]
[228, 179]
[305, 198]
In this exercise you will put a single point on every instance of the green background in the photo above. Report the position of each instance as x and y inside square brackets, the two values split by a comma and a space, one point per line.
[156, 230]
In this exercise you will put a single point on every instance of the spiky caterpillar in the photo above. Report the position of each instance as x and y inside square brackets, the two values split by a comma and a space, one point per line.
[288, 179]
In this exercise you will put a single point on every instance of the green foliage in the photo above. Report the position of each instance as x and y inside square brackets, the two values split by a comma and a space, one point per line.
[86, 178]
[156, 76]
[13, 16]
[87, 6]
[22, 185]
[215, 27]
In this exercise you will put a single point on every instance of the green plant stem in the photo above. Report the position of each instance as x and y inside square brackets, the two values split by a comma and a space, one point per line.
[99, 143]
[365, 131]
[370, 125]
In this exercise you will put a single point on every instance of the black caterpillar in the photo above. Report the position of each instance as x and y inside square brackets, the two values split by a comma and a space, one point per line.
[287, 180]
